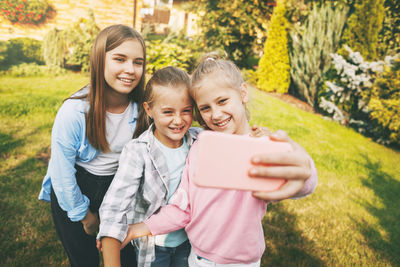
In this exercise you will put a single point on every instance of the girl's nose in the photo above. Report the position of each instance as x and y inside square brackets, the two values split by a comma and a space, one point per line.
[177, 119]
[129, 68]
[216, 113]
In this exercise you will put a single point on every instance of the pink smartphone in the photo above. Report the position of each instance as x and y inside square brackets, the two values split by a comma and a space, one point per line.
[223, 161]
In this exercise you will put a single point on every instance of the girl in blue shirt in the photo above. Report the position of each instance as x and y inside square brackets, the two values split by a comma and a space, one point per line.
[88, 135]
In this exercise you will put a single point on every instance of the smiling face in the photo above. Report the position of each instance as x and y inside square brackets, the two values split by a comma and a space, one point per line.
[172, 113]
[221, 107]
[124, 67]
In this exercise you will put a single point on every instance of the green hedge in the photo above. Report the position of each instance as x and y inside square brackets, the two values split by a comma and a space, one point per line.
[20, 50]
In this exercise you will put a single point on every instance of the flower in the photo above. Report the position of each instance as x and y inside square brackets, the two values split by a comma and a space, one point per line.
[26, 12]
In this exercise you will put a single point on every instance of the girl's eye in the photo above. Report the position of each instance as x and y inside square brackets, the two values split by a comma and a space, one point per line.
[119, 59]
[139, 62]
[167, 112]
[204, 108]
[187, 111]
[222, 101]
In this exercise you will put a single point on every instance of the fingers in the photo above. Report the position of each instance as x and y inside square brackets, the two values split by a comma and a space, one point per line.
[262, 162]
[257, 131]
[280, 135]
[90, 230]
[98, 245]
[124, 243]
[288, 190]
[285, 172]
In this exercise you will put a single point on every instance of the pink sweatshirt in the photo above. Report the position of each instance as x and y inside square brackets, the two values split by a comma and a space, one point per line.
[224, 226]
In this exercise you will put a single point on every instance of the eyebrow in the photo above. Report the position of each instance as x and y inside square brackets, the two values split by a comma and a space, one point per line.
[123, 55]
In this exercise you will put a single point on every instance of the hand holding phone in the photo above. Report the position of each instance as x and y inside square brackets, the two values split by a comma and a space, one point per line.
[223, 161]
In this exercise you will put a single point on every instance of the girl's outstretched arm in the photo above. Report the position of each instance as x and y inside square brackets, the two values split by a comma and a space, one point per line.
[296, 167]
[111, 251]
[135, 231]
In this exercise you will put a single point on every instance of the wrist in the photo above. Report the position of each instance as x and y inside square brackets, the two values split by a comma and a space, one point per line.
[84, 220]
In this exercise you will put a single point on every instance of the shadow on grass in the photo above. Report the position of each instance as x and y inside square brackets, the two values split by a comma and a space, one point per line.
[386, 211]
[285, 243]
[8, 143]
[28, 234]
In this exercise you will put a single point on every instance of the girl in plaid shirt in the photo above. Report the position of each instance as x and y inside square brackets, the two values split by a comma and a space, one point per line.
[149, 172]
[225, 226]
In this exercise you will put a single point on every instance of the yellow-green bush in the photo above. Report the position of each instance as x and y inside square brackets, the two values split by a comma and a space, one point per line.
[363, 26]
[385, 104]
[274, 68]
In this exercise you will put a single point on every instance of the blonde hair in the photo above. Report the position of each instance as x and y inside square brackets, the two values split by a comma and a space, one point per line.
[211, 64]
[171, 77]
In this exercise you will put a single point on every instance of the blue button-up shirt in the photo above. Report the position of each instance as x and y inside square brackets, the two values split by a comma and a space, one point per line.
[69, 144]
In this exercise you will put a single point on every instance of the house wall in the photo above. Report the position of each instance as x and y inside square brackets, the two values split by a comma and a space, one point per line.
[106, 12]
[182, 20]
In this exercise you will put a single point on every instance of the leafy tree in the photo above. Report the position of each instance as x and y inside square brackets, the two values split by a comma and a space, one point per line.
[71, 47]
[273, 72]
[363, 27]
[236, 26]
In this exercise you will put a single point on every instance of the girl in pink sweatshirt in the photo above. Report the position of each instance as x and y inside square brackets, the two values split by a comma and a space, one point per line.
[225, 226]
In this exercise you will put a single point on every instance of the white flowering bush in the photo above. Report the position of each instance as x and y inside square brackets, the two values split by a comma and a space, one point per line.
[348, 90]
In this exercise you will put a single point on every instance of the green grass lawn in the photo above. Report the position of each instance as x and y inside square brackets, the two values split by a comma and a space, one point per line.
[352, 219]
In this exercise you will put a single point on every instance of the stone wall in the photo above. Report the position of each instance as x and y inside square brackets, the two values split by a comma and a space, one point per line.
[106, 12]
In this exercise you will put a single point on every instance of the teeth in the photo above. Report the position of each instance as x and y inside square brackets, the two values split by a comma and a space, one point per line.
[223, 123]
[177, 128]
[126, 80]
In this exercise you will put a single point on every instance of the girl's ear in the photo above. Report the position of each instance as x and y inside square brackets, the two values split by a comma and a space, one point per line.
[147, 109]
[244, 93]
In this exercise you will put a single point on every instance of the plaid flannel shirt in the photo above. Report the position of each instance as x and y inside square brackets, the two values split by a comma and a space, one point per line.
[139, 188]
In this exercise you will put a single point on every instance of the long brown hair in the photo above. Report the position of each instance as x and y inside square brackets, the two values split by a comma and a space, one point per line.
[168, 77]
[108, 39]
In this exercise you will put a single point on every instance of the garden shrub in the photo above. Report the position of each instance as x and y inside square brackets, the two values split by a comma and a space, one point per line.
[161, 54]
[3, 52]
[389, 36]
[26, 12]
[357, 93]
[20, 50]
[363, 27]
[273, 71]
[311, 48]
[175, 50]
[32, 69]
[384, 105]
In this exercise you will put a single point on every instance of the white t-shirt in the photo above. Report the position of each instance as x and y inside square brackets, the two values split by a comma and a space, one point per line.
[176, 159]
[119, 133]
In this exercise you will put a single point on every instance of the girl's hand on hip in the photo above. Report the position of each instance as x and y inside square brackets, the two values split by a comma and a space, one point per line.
[135, 231]
[91, 223]
[294, 166]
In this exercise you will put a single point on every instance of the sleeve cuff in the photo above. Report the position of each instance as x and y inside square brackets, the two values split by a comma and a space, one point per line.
[79, 212]
[114, 230]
